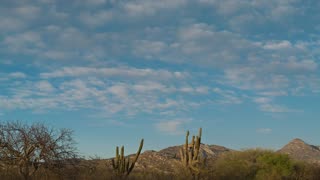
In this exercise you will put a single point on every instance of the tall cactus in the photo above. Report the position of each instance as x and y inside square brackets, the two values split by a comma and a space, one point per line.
[122, 165]
[190, 156]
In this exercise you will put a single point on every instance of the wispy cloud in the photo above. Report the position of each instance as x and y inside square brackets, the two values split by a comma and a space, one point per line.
[153, 63]
[142, 56]
[267, 104]
[109, 91]
[264, 130]
[124, 72]
[17, 75]
[172, 127]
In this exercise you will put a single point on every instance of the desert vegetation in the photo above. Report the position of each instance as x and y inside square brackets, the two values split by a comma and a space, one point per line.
[190, 156]
[34, 151]
[122, 165]
[27, 149]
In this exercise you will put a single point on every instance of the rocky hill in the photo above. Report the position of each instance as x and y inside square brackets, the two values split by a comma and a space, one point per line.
[167, 160]
[300, 150]
[209, 151]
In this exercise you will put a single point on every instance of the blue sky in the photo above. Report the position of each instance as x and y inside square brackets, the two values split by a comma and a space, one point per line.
[116, 71]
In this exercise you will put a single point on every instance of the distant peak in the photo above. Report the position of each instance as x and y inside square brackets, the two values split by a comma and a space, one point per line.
[300, 150]
[297, 140]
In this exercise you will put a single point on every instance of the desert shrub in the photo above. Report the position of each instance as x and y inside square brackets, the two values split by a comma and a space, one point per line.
[306, 171]
[274, 166]
[253, 164]
[236, 165]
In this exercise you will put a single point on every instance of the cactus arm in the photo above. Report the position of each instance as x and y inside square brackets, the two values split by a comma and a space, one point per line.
[113, 164]
[195, 169]
[190, 156]
[121, 169]
[192, 142]
[197, 145]
[117, 157]
[186, 149]
[115, 161]
[122, 165]
[136, 157]
[190, 153]
[196, 149]
[128, 165]
[182, 156]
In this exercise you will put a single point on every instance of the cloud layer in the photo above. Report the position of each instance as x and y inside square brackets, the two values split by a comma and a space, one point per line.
[161, 58]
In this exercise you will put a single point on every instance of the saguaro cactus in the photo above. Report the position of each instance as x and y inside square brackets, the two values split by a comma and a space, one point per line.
[190, 156]
[122, 165]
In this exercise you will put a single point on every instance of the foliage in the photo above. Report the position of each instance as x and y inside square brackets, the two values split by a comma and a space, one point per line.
[27, 148]
[240, 165]
[261, 164]
[274, 166]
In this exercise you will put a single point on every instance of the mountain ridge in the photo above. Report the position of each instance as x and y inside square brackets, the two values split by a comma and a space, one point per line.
[168, 159]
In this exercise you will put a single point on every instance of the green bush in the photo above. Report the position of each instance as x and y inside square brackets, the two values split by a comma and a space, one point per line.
[274, 166]
[257, 164]
[237, 165]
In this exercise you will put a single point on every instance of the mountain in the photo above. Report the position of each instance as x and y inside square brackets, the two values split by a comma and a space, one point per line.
[300, 150]
[167, 160]
[209, 151]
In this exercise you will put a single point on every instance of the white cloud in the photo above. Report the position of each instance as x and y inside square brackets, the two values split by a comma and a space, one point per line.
[44, 86]
[149, 49]
[95, 2]
[304, 65]
[255, 78]
[186, 89]
[169, 103]
[119, 90]
[274, 93]
[11, 24]
[227, 7]
[235, 48]
[27, 103]
[27, 42]
[172, 127]
[227, 96]
[264, 130]
[151, 86]
[127, 72]
[17, 75]
[196, 32]
[274, 108]
[266, 104]
[78, 90]
[147, 8]
[56, 55]
[278, 45]
[97, 89]
[202, 89]
[97, 18]
[262, 100]
[28, 12]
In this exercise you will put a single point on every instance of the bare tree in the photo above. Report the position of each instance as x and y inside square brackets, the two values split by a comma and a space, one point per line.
[29, 147]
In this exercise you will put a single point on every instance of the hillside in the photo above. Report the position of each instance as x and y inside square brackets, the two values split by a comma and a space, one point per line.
[167, 160]
[300, 150]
